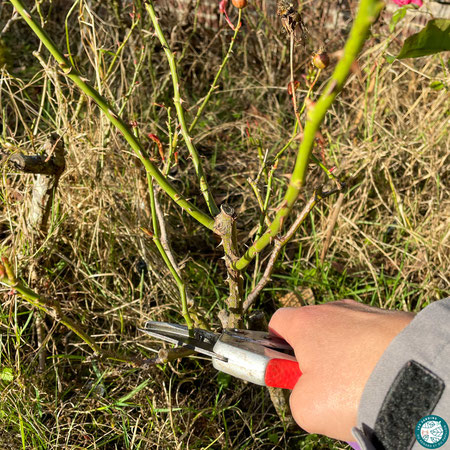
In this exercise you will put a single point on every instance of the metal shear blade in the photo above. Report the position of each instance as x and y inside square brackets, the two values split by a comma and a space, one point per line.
[261, 338]
[201, 341]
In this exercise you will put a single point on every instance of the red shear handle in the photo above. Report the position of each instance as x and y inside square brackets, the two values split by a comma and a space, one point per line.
[282, 373]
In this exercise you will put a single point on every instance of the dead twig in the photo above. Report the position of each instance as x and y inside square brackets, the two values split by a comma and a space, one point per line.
[165, 243]
[331, 224]
[163, 234]
[48, 168]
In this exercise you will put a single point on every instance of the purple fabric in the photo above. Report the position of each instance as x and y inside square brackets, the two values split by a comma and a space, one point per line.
[354, 445]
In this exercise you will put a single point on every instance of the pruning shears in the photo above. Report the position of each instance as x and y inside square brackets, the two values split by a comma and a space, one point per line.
[254, 356]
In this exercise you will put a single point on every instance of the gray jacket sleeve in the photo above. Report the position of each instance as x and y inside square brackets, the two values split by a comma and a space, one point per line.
[411, 380]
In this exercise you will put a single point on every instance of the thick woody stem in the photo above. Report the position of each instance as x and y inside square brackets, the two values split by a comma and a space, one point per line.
[36, 164]
[225, 227]
[48, 168]
[45, 186]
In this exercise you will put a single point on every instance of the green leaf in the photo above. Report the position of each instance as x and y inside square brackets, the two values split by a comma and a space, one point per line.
[6, 374]
[223, 379]
[434, 38]
[437, 85]
[390, 59]
[396, 17]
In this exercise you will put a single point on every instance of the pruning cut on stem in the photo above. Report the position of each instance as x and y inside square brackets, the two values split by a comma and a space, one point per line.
[167, 355]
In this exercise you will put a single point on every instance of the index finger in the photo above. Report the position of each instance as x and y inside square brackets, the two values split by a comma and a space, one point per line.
[283, 324]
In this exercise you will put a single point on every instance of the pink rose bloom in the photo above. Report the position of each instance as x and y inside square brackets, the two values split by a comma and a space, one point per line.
[407, 2]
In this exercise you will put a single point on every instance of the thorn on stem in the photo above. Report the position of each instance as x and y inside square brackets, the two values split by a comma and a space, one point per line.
[158, 142]
[147, 232]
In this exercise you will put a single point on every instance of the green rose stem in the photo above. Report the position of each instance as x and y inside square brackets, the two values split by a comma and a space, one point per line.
[71, 73]
[367, 13]
[180, 112]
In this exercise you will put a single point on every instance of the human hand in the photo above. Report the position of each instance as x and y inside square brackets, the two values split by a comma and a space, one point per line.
[337, 346]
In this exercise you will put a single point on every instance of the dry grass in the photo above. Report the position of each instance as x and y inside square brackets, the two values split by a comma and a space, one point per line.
[388, 132]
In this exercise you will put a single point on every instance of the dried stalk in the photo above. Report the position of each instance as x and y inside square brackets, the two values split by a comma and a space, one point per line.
[292, 82]
[166, 253]
[331, 223]
[40, 340]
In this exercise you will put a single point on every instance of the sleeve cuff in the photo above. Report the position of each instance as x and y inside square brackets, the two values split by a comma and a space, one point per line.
[424, 342]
